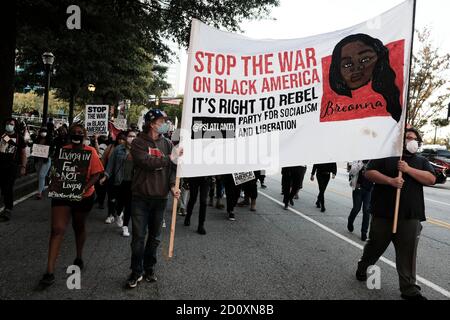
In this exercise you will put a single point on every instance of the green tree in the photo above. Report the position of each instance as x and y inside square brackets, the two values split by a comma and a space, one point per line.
[429, 85]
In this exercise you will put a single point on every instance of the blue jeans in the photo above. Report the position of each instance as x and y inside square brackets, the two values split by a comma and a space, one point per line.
[146, 214]
[361, 197]
[42, 169]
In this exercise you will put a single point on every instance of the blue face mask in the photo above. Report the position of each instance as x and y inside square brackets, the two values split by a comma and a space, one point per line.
[164, 128]
[9, 128]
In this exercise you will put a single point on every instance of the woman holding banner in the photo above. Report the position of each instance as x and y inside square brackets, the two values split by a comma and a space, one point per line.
[43, 164]
[64, 209]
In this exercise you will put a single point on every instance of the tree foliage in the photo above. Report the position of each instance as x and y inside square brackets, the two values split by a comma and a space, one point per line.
[429, 88]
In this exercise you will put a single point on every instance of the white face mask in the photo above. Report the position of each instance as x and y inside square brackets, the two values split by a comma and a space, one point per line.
[130, 140]
[87, 142]
[43, 134]
[412, 146]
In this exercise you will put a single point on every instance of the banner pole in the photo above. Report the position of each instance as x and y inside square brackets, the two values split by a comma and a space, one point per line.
[400, 174]
[194, 26]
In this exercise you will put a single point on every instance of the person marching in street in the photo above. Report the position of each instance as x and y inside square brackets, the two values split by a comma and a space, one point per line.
[13, 160]
[184, 197]
[362, 190]
[120, 168]
[232, 192]
[63, 210]
[154, 177]
[292, 178]
[112, 217]
[198, 185]
[417, 173]
[250, 189]
[43, 164]
[323, 177]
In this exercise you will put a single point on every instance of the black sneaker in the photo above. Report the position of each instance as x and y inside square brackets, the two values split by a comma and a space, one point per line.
[201, 230]
[5, 215]
[317, 204]
[291, 202]
[263, 186]
[231, 216]
[323, 209]
[350, 226]
[363, 236]
[134, 279]
[416, 297]
[286, 206]
[79, 262]
[361, 273]
[150, 276]
[47, 280]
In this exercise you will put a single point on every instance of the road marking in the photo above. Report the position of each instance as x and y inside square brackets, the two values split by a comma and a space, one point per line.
[22, 199]
[424, 281]
[438, 223]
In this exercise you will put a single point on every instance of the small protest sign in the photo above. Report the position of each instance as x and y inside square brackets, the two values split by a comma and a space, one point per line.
[68, 174]
[40, 151]
[96, 121]
[243, 177]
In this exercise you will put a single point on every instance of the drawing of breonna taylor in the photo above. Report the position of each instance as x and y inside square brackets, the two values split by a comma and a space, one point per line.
[359, 59]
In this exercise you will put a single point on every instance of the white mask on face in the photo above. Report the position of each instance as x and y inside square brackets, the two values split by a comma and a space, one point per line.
[87, 142]
[412, 146]
[43, 134]
[130, 140]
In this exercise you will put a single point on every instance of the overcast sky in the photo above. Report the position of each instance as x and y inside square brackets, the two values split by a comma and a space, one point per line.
[301, 18]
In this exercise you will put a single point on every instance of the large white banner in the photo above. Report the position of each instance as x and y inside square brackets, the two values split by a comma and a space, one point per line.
[264, 104]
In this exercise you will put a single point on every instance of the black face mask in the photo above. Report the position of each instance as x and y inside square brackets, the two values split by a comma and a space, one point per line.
[77, 137]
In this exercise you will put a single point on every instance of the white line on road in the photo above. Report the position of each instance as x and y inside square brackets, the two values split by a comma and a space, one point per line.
[21, 199]
[353, 243]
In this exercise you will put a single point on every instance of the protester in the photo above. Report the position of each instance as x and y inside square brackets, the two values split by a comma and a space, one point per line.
[362, 190]
[120, 170]
[292, 179]
[13, 160]
[323, 177]
[101, 144]
[184, 197]
[110, 190]
[63, 210]
[43, 164]
[232, 192]
[261, 178]
[153, 157]
[250, 189]
[417, 172]
[198, 185]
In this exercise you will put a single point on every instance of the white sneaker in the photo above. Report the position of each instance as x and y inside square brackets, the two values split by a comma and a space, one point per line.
[119, 221]
[164, 224]
[125, 232]
[109, 220]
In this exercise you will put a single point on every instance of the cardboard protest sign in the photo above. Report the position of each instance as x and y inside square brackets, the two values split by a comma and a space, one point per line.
[96, 119]
[40, 150]
[243, 177]
[264, 104]
[68, 174]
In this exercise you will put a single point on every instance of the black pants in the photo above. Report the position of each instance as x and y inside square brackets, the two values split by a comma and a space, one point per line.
[100, 191]
[292, 182]
[112, 198]
[322, 179]
[250, 189]
[217, 187]
[405, 242]
[232, 192]
[123, 198]
[195, 185]
[7, 184]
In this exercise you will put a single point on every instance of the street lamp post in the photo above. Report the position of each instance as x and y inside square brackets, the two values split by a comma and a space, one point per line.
[48, 58]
